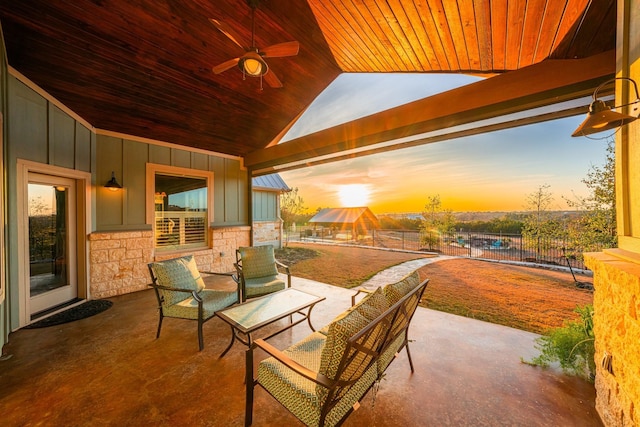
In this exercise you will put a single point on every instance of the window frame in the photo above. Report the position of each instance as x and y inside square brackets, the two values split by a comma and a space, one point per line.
[151, 170]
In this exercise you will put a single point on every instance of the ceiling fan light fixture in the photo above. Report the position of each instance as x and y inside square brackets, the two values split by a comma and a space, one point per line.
[252, 64]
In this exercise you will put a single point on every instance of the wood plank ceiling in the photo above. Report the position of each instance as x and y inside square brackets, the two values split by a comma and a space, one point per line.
[143, 67]
[479, 36]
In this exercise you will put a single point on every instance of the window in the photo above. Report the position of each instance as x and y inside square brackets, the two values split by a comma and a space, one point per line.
[181, 207]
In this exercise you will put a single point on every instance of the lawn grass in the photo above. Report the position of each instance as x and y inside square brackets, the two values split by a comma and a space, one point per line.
[530, 299]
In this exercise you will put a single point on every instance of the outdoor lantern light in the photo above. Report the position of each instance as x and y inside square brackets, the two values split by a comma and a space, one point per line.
[112, 184]
[252, 63]
[601, 117]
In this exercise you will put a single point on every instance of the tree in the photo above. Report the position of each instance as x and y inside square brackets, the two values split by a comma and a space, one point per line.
[436, 221]
[540, 226]
[291, 206]
[596, 227]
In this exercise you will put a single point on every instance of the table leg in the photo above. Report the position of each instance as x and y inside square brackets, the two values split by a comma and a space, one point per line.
[249, 383]
[233, 339]
[309, 318]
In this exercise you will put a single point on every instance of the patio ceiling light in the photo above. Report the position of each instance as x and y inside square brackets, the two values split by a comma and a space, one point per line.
[252, 64]
[112, 184]
[602, 117]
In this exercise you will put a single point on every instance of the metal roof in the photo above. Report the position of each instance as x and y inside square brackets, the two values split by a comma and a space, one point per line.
[273, 182]
[341, 215]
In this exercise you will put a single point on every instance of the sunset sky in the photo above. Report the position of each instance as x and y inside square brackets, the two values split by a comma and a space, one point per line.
[488, 172]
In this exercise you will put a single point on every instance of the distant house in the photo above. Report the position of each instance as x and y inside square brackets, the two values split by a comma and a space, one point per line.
[267, 224]
[357, 221]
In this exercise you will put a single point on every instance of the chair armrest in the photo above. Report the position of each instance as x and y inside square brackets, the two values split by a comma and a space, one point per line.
[287, 271]
[229, 274]
[167, 288]
[291, 364]
[360, 291]
[171, 288]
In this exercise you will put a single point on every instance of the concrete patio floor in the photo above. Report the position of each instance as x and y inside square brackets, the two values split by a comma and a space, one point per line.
[110, 370]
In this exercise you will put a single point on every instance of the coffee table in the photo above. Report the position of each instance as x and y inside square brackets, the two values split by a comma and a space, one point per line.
[248, 317]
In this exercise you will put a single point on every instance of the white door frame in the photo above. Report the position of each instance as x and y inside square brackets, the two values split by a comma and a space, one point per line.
[83, 218]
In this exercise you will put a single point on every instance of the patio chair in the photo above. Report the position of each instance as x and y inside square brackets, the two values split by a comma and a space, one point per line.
[398, 338]
[181, 293]
[322, 378]
[257, 271]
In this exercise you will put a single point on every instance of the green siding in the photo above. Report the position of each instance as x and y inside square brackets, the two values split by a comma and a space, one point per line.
[264, 205]
[83, 147]
[216, 164]
[126, 210]
[180, 158]
[236, 191]
[134, 161]
[36, 130]
[27, 124]
[159, 155]
[200, 161]
[109, 204]
[62, 140]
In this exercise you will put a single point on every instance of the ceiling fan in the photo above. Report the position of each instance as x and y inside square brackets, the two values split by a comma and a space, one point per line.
[252, 62]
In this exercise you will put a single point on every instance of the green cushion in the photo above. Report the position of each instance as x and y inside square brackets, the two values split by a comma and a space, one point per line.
[212, 300]
[181, 273]
[262, 286]
[395, 291]
[371, 306]
[258, 261]
[387, 356]
[298, 394]
[344, 327]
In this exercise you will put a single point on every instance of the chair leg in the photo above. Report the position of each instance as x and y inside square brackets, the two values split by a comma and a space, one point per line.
[200, 337]
[409, 356]
[159, 324]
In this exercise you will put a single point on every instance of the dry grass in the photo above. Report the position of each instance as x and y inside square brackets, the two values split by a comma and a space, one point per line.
[531, 299]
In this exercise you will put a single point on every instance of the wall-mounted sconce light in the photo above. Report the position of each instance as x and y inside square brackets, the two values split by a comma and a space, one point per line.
[112, 184]
[601, 117]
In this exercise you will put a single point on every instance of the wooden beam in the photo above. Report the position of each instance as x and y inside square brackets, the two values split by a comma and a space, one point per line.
[546, 83]
[425, 140]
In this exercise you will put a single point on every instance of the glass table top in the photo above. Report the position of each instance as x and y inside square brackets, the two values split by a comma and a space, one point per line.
[261, 311]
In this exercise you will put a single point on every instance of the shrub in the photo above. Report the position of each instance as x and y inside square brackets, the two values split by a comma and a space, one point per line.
[571, 345]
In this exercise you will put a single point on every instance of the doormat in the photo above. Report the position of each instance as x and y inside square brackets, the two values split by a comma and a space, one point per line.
[82, 311]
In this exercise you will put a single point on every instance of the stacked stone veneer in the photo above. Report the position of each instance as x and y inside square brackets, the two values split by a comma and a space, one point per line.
[617, 329]
[267, 233]
[118, 260]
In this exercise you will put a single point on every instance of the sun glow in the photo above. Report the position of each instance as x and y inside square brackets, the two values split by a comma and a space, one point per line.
[354, 195]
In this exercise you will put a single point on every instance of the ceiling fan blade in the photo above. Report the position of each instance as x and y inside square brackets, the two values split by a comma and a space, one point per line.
[272, 80]
[281, 49]
[228, 31]
[225, 65]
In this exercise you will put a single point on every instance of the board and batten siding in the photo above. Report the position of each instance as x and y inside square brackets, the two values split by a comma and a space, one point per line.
[37, 130]
[125, 210]
[265, 205]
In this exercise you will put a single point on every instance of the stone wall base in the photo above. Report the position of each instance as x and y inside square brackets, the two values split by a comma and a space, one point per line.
[267, 233]
[118, 260]
[617, 331]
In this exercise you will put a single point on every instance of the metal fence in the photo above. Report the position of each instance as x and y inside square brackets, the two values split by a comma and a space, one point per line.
[495, 246]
